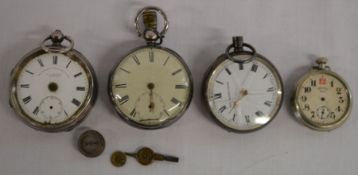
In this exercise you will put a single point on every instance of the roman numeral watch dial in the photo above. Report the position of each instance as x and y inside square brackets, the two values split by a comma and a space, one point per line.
[242, 89]
[322, 99]
[53, 87]
[151, 87]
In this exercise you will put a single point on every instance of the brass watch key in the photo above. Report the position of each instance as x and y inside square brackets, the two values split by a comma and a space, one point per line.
[145, 156]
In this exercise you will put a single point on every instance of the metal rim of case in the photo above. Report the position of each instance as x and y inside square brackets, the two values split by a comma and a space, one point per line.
[79, 115]
[166, 123]
[257, 57]
[303, 118]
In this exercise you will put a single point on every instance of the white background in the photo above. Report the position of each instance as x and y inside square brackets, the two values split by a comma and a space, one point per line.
[290, 33]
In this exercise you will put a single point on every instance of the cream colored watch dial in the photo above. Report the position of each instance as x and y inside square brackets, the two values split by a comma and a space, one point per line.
[322, 99]
[151, 86]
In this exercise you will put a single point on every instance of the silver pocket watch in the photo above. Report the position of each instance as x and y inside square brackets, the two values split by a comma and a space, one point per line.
[242, 90]
[322, 99]
[53, 87]
[151, 87]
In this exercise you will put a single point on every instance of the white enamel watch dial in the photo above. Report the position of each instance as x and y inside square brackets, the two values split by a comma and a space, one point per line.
[243, 97]
[151, 87]
[322, 99]
[52, 91]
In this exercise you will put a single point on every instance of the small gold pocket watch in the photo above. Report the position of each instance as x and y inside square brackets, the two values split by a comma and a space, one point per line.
[53, 87]
[242, 89]
[322, 99]
[151, 87]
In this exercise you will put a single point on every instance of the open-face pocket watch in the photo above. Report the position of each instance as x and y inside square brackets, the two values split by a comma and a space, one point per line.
[151, 87]
[322, 99]
[242, 89]
[54, 86]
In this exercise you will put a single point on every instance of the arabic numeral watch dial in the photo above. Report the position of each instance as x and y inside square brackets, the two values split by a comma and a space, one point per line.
[322, 99]
[53, 87]
[151, 87]
[242, 89]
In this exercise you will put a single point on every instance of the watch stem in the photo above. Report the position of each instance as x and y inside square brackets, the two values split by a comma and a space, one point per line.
[57, 36]
[237, 41]
[150, 20]
[322, 61]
